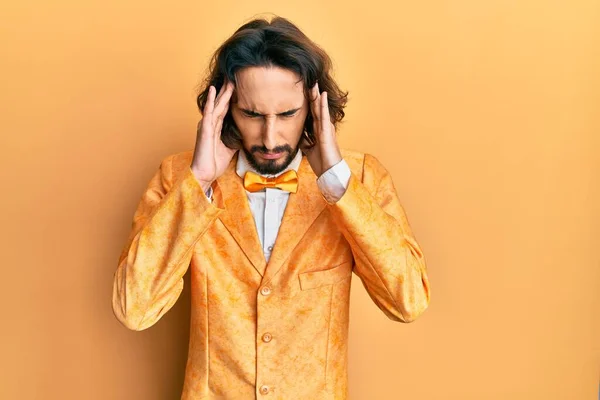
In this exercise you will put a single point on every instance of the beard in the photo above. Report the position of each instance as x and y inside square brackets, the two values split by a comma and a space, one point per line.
[270, 167]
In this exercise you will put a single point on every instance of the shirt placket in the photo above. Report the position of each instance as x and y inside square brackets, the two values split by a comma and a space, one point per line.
[270, 225]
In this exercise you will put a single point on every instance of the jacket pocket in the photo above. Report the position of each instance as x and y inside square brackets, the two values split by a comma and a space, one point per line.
[314, 279]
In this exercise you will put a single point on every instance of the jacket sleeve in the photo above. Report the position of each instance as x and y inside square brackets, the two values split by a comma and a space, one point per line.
[171, 216]
[387, 258]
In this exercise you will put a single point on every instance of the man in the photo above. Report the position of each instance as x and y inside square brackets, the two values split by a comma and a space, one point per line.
[272, 218]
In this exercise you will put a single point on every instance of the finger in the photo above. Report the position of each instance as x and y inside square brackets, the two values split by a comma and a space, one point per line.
[223, 113]
[221, 91]
[210, 101]
[218, 128]
[218, 118]
[222, 110]
[314, 102]
[325, 118]
[223, 102]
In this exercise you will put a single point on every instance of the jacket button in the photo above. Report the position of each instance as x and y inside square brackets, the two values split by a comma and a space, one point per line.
[267, 337]
[264, 389]
[265, 291]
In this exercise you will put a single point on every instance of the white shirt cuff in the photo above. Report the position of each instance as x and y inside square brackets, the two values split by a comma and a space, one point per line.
[334, 182]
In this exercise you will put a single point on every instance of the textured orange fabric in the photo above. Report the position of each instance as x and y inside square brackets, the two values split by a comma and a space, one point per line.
[275, 330]
[287, 181]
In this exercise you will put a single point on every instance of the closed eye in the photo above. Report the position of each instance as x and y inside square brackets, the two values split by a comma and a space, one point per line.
[290, 113]
[285, 114]
[251, 114]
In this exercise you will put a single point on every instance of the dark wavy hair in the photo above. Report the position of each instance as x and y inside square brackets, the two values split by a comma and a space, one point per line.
[279, 43]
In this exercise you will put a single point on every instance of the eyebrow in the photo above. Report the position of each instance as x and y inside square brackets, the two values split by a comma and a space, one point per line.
[288, 112]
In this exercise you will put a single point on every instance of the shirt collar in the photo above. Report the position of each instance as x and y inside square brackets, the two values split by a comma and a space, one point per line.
[243, 165]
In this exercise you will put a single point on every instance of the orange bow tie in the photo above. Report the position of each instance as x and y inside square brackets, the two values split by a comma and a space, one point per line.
[287, 181]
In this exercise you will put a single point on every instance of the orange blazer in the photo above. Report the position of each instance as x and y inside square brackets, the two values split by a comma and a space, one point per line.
[275, 330]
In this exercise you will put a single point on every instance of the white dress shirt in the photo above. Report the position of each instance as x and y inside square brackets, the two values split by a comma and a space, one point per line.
[268, 204]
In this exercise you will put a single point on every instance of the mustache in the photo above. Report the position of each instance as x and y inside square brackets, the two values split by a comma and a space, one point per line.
[264, 150]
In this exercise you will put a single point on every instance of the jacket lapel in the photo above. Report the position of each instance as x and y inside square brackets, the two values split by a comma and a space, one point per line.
[302, 209]
[237, 217]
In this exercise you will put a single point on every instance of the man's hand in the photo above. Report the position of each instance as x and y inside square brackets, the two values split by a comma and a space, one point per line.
[326, 153]
[211, 156]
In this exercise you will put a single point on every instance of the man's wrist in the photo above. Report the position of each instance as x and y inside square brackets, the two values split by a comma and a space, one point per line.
[204, 184]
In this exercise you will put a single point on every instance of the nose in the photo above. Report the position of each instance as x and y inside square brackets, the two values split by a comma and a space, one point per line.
[269, 136]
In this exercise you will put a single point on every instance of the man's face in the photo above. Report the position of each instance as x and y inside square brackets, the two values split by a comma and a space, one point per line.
[269, 109]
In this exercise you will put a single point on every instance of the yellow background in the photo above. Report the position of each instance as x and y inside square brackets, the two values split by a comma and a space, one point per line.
[485, 112]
